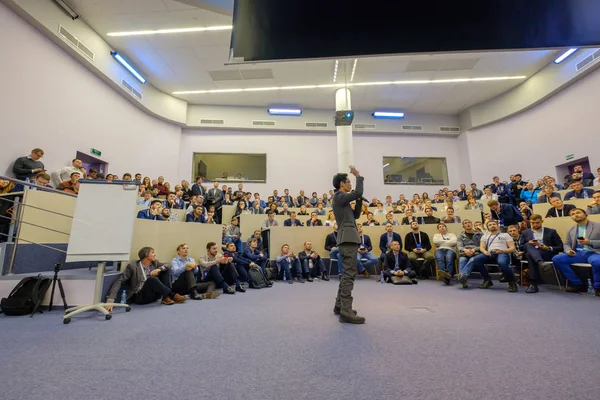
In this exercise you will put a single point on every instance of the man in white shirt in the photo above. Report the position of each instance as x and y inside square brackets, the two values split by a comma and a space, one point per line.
[496, 248]
[185, 271]
[146, 200]
[488, 195]
[64, 174]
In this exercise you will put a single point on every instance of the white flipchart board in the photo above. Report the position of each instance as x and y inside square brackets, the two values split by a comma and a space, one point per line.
[103, 223]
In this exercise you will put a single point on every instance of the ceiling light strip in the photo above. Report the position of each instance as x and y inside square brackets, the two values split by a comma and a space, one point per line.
[335, 70]
[565, 55]
[167, 31]
[341, 85]
[353, 70]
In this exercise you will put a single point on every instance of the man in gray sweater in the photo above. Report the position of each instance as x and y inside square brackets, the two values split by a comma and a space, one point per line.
[28, 166]
[468, 243]
[347, 241]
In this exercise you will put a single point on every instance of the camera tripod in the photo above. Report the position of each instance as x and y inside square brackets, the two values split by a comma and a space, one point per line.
[56, 279]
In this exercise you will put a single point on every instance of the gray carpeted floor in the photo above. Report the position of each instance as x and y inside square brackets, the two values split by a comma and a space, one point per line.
[420, 342]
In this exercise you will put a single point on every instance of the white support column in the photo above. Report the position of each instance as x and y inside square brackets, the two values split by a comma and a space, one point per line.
[345, 147]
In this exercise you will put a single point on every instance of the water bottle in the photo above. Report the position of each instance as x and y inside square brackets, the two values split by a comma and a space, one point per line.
[27, 180]
[284, 276]
[124, 297]
[590, 288]
[381, 277]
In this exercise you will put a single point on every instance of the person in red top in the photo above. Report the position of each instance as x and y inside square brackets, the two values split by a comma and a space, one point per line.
[160, 187]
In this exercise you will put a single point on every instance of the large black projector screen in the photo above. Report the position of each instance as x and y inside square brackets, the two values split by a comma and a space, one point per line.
[298, 29]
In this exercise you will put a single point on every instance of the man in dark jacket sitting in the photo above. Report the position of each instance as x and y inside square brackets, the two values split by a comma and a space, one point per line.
[397, 264]
[386, 240]
[505, 214]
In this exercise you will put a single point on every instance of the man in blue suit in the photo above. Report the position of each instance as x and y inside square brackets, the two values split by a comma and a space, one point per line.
[292, 220]
[153, 212]
[505, 214]
[385, 241]
[541, 244]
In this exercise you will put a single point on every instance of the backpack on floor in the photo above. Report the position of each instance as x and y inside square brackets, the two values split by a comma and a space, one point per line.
[257, 278]
[28, 293]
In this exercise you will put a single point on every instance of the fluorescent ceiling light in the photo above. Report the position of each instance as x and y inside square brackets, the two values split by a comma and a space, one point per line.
[342, 85]
[565, 55]
[335, 70]
[177, 30]
[353, 70]
[387, 114]
[66, 8]
[285, 111]
[127, 66]
[386, 165]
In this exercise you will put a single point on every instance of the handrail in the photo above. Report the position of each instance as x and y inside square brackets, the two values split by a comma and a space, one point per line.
[33, 185]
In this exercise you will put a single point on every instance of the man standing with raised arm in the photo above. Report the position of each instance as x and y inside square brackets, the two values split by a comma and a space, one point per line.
[347, 241]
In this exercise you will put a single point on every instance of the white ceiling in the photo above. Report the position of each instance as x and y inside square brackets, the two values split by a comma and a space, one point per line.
[178, 62]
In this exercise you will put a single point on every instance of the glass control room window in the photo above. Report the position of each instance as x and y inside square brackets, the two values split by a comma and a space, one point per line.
[231, 167]
[415, 171]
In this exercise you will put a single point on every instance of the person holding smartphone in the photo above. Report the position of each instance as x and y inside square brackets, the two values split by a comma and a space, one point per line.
[496, 248]
[582, 245]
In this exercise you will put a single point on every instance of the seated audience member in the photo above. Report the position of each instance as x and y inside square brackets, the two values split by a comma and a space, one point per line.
[241, 264]
[258, 237]
[197, 188]
[325, 200]
[64, 174]
[385, 240]
[330, 218]
[127, 177]
[301, 199]
[275, 195]
[217, 268]
[195, 201]
[371, 220]
[479, 227]
[162, 189]
[496, 248]
[254, 254]
[380, 210]
[594, 206]
[170, 202]
[146, 200]
[429, 218]
[233, 234]
[320, 210]
[417, 245]
[445, 254]
[428, 204]
[311, 261]
[437, 199]
[196, 216]
[396, 263]
[263, 204]
[450, 218]
[257, 209]
[240, 209]
[210, 216]
[184, 274]
[550, 181]
[365, 258]
[506, 214]
[303, 210]
[477, 193]
[239, 194]
[541, 244]
[530, 195]
[462, 193]
[409, 219]
[597, 180]
[166, 214]
[401, 200]
[525, 210]
[449, 204]
[314, 220]
[586, 178]
[187, 191]
[500, 190]
[292, 220]
[9, 187]
[270, 221]
[42, 179]
[374, 202]
[179, 199]
[548, 194]
[289, 200]
[516, 257]
[314, 200]
[331, 246]
[145, 281]
[153, 212]
[582, 245]
[286, 262]
[109, 178]
[395, 209]
[273, 208]
[468, 244]
[579, 192]
[72, 185]
[559, 209]
[473, 204]
[285, 209]
[389, 219]
[488, 195]
[388, 201]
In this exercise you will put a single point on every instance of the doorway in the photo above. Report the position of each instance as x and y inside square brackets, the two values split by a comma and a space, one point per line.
[89, 161]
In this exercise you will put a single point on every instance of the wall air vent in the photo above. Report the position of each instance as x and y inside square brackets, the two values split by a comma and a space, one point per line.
[449, 129]
[76, 43]
[317, 124]
[412, 128]
[263, 123]
[365, 126]
[212, 122]
[133, 91]
[589, 60]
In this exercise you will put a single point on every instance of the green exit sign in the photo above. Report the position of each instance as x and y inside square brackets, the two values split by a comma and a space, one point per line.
[96, 152]
[570, 157]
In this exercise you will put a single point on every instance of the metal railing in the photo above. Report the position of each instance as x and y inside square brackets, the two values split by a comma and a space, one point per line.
[14, 215]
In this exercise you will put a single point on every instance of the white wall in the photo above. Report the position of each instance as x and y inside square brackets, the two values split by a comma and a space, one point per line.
[49, 100]
[309, 161]
[535, 142]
